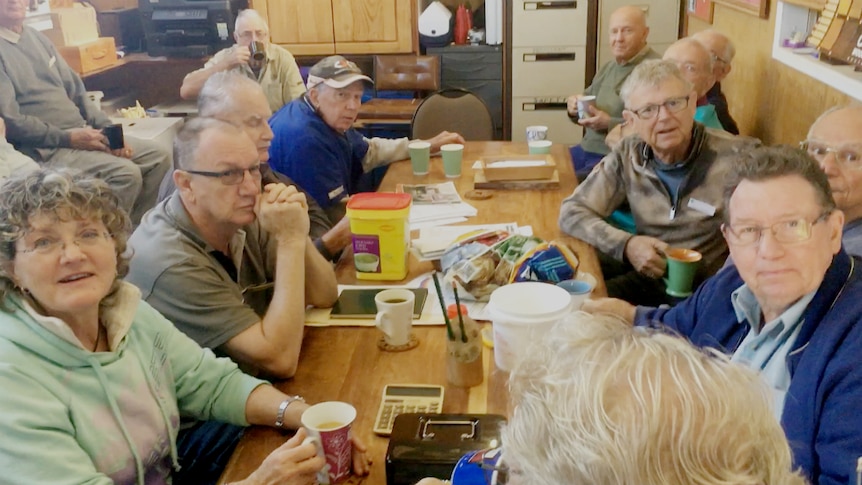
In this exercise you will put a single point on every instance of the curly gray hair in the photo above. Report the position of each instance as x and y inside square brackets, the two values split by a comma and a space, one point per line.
[64, 195]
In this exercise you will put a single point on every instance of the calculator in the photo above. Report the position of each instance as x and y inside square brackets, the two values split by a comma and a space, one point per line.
[406, 398]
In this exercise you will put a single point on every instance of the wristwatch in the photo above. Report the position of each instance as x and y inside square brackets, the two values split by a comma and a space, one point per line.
[279, 418]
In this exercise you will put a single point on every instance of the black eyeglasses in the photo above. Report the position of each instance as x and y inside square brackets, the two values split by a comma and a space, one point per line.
[673, 105]
[233, 176]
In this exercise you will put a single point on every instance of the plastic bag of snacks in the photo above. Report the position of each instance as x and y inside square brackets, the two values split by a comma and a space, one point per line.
[480, 264]
[550, 262]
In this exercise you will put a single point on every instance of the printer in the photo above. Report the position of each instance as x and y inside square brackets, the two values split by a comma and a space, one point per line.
[187, 28]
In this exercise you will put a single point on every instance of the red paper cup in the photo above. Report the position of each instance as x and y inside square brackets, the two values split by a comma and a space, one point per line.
[329, 424]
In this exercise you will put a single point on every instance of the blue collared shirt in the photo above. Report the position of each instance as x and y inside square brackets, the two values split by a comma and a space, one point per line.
[766, 347]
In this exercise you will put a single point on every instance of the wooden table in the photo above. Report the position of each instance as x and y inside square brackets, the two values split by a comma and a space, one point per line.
[343, 363]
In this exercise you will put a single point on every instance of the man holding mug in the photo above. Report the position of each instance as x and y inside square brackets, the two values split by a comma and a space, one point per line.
[272, 66]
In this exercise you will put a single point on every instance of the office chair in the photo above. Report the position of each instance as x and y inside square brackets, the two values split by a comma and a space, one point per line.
[415, 75]
[455, 110]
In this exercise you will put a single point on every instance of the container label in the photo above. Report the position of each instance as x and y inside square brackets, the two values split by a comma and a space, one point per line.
[366, 253]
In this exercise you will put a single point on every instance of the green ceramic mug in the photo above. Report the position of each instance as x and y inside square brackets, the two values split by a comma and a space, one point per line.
[682, 265]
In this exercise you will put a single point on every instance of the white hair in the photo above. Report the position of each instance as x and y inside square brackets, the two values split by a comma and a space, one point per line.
[597, 402]
[218, 95]
[651, 73]
[250, 14]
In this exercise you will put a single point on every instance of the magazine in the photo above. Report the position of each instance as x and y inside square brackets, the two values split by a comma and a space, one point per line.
[442, 193]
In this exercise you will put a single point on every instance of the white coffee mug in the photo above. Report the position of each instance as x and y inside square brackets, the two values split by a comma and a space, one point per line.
[395, 315]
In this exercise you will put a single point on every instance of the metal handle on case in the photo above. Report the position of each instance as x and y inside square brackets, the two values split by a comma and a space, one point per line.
[427, 435]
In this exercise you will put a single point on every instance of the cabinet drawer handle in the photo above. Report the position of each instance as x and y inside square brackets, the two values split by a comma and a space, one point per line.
[98, 54]
[550, 106]
[550, 5]
[550, 57]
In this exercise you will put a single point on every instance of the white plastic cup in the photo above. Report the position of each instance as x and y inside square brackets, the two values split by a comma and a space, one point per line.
[584, 103]
[522, 313]
[537, 132]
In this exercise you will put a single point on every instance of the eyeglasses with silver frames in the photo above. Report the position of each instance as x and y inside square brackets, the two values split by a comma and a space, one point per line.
[848, 155]
[51, 245]
[672, 105]
[786, 232]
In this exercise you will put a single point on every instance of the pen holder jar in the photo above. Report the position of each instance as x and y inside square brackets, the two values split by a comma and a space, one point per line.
[464, 367]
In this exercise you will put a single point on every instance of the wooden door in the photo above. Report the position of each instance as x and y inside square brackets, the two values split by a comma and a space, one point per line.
[304, 27]
[372, 26]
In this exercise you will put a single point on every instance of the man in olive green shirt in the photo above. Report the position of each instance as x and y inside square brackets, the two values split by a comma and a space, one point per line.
[277, 73]
[628, 37]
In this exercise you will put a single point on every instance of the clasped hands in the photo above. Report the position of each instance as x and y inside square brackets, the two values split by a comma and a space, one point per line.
[283, 211]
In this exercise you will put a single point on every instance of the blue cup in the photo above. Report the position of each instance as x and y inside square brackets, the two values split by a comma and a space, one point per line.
[481, 467]
[579, 290]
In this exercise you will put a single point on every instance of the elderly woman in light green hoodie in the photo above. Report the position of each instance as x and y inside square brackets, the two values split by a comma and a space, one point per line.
[95, 380]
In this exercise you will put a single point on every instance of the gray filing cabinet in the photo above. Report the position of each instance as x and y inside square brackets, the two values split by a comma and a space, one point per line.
[476, 68]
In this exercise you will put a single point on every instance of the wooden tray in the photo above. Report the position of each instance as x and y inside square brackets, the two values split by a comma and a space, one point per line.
[480, 182]
[544, 171]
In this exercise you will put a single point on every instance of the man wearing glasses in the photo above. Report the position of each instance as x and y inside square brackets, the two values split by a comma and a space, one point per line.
[722, 50]
[274, 68]
[789, 307]
[835, 141]
[670, 174]
[230, 265]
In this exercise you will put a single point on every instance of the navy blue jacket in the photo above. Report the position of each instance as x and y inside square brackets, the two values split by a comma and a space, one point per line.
[822, 415]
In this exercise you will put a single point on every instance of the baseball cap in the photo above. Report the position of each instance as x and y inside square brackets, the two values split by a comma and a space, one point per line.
[336, 72]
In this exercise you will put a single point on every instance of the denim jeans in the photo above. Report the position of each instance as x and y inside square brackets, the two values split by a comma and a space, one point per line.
[204, 449]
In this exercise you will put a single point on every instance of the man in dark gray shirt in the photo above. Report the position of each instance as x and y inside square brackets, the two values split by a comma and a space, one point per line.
[50, 118]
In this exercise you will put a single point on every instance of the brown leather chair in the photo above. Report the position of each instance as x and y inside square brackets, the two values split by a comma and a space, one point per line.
[419, 74]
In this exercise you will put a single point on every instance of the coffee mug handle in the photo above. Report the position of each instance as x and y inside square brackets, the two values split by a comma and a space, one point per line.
[322, 475]
[384, 323]
[315, 441]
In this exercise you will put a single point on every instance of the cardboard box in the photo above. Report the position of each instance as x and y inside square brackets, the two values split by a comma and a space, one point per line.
[91, 56]
[73, 26]
[102, 5]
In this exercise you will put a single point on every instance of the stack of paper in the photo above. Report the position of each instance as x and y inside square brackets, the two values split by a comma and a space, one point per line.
[436, 204]
[431, 244]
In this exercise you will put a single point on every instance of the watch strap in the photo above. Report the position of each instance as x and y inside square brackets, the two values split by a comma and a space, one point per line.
[279, 417]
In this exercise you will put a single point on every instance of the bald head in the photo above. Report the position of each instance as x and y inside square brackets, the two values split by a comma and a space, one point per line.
[721, 48]
[694, 62]
[628, 32]
[835, 141]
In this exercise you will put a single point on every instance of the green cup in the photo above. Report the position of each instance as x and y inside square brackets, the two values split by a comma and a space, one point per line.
[540, 147]
[452, 155]
[682, 265]
[420, 155]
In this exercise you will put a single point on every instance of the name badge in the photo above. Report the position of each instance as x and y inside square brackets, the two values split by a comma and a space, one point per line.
[336, 192]
[52, 61]
[701, 206]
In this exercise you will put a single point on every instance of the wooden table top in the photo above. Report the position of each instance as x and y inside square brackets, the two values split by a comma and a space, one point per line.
[344, 363]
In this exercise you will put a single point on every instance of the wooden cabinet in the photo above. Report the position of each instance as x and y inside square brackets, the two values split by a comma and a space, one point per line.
[321, 27]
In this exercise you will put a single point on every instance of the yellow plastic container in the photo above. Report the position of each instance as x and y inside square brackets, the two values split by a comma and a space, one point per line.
[381, 234]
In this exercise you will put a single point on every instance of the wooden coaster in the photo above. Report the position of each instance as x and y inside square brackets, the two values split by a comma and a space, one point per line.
[481, 194]
[411, 344]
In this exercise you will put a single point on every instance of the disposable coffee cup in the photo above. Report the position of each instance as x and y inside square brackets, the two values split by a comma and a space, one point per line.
[328, 424]
[452, 155]
[682, 265]
[584, 103]
[395, 315]
[420, 156]
[258, 50]
[114, 134]
[537, 132]
[579, 291]
[540, 147]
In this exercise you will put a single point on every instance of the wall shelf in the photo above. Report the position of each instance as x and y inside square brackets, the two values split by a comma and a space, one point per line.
[790, 17]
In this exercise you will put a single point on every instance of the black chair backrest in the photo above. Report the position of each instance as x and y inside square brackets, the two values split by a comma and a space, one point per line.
[456, 110]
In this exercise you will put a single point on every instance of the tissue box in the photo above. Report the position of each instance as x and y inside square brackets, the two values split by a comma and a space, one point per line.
[73, 26]
[91, 56]
[518, 167]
